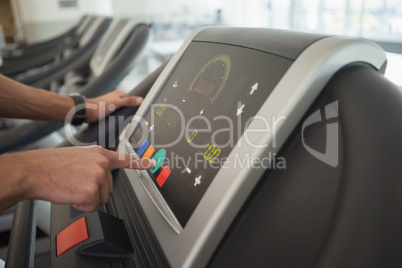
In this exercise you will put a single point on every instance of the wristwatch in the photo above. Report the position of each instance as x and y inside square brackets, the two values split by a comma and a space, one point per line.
[80, 112]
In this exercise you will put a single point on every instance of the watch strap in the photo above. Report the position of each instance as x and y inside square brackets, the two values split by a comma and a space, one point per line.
[80, 111]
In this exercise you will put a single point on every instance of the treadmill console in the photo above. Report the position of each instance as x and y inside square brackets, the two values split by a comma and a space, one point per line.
[214, 121]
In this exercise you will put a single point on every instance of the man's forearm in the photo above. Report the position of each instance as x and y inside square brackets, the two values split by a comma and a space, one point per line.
[79, 176]
[13, 186]
[21, 101]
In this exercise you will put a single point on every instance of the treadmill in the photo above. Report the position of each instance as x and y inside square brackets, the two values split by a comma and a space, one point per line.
[108, 49]
[61, 40]
[273, 148]
[20, 67]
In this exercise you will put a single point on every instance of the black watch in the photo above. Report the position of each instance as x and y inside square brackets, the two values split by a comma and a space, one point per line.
[80, 112]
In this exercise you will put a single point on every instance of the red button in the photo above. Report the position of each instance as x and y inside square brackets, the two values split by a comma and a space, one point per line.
[72, 235]
[163, 176]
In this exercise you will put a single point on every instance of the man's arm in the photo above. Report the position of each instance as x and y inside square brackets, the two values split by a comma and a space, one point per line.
[21, 101]
[77, 176]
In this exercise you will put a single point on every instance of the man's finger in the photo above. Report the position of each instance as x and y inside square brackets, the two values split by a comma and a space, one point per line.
[104, 193]
[130, 101]
[119, 93]
[87, 208]
[142, 163]
[109, 180]
[118, 160]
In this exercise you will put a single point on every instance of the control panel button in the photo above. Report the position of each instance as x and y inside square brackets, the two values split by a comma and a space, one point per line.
[72, 235]
[148, 152]
[143, 147]
[159, 157]
[163, 176]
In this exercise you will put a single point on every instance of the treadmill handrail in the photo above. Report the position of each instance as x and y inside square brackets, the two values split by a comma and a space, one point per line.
[23, 234]
[25, 134]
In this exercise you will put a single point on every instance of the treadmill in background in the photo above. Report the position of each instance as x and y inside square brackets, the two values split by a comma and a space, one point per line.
[108, 50]
[38, 63]
[64, 39]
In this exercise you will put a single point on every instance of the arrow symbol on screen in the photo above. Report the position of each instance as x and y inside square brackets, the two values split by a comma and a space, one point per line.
[240, 110]
[254, 88]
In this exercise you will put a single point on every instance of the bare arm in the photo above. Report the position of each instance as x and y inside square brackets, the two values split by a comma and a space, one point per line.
[77, 176]
[21, 101]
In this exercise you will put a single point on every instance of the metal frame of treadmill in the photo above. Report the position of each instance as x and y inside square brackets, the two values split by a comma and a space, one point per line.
[193, 245]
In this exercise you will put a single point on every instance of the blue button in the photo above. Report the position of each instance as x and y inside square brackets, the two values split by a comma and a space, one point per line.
[143, 147]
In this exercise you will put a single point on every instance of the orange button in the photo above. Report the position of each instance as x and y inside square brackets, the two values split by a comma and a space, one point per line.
[72, 235]
[149, 152]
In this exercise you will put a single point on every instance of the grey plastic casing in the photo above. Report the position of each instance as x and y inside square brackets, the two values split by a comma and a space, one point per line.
[90, 32]
[83, 25]
[110, 44]
[193, 245]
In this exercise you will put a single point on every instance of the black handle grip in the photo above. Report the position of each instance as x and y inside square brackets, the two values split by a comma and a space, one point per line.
[21, 247]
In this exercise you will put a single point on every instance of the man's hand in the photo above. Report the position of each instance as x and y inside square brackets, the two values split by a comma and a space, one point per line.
[77, 176]
[21, 101]
[100, 107]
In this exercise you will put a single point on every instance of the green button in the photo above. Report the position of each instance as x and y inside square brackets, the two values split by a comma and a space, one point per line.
[159, 157]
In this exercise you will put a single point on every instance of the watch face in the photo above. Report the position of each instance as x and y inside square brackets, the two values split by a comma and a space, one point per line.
[199, 115]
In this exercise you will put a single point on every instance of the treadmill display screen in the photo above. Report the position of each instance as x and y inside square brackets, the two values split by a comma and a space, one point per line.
[200, 114]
